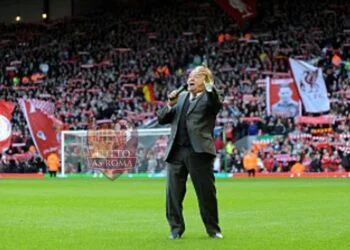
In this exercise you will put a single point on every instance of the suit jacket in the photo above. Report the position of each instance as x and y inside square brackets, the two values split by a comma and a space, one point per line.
[201, 116]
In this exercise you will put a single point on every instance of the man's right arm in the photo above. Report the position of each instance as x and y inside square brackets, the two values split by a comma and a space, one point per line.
[166, 115]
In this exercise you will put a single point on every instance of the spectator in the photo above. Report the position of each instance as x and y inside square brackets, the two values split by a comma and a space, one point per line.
[252, 129]
[268, 162]
[219, 144]
[250, 162]
[346, 162]
[280, 129]
[53, 163]
[316, 163]
[237, 165]
[217, 164]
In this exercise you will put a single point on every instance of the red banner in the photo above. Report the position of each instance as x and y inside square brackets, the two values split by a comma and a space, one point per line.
[251, 119]
[20, 157]
[241, 10]
[315, 120]
[6, 109]
[42, 127]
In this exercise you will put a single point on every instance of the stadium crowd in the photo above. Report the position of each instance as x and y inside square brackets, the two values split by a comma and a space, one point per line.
[104, 67]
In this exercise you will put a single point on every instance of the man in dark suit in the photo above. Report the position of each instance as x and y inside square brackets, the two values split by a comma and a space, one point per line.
[191, 150]
[346, 162]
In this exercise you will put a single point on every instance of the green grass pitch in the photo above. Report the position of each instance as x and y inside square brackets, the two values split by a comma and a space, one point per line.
[129, 214]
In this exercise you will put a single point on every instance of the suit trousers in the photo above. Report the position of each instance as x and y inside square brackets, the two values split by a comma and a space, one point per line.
[184, 161]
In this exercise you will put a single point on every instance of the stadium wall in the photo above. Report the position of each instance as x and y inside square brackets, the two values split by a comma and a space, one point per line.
[60, 8]
[30, 11]
[82, 7]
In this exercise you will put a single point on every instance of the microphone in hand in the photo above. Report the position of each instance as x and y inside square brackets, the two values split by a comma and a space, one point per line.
[174, 94]
[172, 97]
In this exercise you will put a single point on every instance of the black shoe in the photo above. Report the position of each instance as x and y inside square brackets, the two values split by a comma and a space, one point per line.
[217, 236]
[174, 236]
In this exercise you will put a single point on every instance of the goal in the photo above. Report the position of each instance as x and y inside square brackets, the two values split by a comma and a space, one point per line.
[150, 151]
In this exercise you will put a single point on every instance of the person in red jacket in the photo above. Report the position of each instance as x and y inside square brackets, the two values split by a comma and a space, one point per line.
[269, 162]
[219, 144]
[326, 162]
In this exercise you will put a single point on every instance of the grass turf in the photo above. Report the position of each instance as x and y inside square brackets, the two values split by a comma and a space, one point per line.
[129, 214]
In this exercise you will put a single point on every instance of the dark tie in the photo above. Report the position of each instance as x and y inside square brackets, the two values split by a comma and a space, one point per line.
[193, 97]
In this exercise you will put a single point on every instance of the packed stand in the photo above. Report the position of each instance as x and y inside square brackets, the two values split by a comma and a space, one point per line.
[105, 67]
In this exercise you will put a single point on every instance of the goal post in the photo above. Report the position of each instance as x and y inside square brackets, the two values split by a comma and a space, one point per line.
[150, 151]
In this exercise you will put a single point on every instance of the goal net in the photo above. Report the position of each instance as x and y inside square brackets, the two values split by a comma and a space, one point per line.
[149, 155]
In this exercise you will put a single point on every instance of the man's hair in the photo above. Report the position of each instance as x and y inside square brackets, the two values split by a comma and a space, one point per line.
[284, 87]
[206, 73]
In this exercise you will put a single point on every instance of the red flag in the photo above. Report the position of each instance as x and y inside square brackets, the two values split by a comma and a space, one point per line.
[241, 10]
[6, 109]
[42, 127]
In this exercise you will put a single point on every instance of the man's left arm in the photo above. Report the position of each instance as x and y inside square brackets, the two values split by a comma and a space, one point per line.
[214, 97]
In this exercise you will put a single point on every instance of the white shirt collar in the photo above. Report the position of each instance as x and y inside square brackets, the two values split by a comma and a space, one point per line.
[197, 95]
